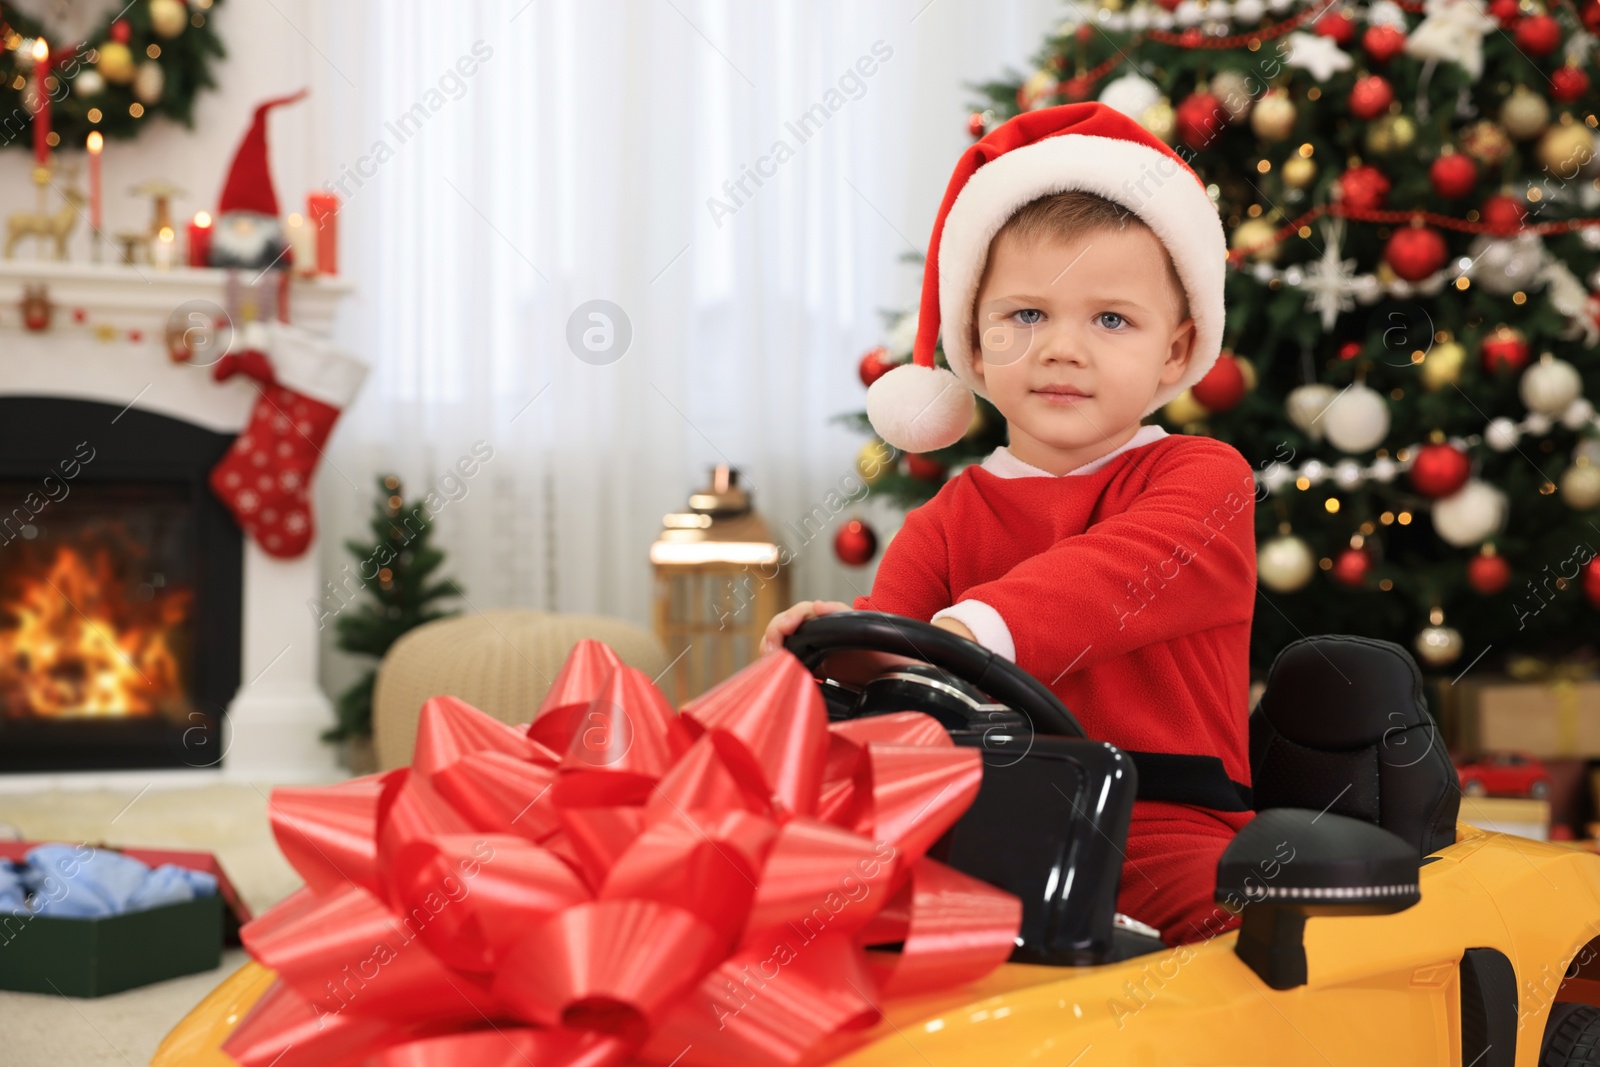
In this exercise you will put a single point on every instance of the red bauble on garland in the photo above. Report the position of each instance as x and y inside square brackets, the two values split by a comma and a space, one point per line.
[1383, 43]
[855, 544]
[1076, 90]
[920, 466]
[1591, 581]
[1505, 347]
[1371, 96]
[1453, 175]
[1415, 252]
[1339, 26]
[1351, 566]
[875, 364]
[1439, 470]
[1568, 84]
[1488, 573]
[1200, 118]
[1538, 35]
[1223, 386]
[1504, 215]
[1363, 188]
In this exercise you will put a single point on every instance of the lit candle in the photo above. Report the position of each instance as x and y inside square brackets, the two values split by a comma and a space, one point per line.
[304, 251]
[200, 239]
[324, 211]
[96, 144]
[41, 97]
[164, 249]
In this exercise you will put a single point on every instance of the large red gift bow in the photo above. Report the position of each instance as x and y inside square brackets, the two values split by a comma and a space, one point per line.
[619, 882]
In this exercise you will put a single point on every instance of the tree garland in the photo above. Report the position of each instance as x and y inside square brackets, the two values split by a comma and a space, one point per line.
[151, 59]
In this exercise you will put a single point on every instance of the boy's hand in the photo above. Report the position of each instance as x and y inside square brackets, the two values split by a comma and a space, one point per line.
[789, 619]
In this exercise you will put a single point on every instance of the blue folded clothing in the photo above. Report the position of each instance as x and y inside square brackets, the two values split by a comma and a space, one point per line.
[74, 881]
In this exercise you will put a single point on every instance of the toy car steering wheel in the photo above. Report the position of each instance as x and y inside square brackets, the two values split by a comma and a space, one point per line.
[819, 637]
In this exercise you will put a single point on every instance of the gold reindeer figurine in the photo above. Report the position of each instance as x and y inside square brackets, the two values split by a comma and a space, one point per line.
[43, 224]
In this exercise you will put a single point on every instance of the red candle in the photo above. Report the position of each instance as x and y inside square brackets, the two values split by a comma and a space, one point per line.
[96, 144]
[41, 95]
[323, 210]
[200, 240]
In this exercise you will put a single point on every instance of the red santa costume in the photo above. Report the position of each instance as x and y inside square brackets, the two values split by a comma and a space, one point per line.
[1128, 584]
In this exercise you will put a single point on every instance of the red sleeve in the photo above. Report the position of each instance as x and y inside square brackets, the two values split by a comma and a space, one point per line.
[913, 577]
[1179, 560]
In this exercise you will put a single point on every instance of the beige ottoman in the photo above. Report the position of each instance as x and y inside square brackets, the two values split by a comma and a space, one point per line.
[501, 662]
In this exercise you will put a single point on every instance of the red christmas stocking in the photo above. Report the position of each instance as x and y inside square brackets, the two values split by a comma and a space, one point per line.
[265, 478]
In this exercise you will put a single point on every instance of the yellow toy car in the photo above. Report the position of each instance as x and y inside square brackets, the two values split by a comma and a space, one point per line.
[1375, 928]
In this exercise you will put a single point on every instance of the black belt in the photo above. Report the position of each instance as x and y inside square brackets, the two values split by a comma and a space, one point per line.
[1186, 779]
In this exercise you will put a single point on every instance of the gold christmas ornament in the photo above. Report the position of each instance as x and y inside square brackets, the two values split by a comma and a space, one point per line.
[1160, 120]
[1442, 366]
[1525, 114]
[1040, 85]
[168, 17]
[1299, 172]
[115, 63]
[1232, 87]
[875, 460]
[1438, 646]
[1284, 564]
[1248, 371]
[1580, 485]
[1184, 409]
[1391, 134]
[1257, 234]
[1567, 148]
[1486, 142]
[1273, 117]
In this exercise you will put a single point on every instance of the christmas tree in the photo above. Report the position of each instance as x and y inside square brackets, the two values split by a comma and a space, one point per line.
[1410, 194]
[394, 568]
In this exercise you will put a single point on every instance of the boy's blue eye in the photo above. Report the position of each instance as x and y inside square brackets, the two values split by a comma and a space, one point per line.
[1029, 316]
[1111, 315]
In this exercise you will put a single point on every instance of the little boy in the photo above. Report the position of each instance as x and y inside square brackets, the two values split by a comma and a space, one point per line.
[1077, 264]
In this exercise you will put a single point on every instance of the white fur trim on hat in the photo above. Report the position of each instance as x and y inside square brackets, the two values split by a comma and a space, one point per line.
[1161, 191]
[918, 409]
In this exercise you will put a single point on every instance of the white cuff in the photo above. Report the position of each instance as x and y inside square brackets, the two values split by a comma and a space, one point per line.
[985, 623]
[313, 366]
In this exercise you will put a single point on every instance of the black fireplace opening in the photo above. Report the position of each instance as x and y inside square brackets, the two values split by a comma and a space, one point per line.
[121, 589]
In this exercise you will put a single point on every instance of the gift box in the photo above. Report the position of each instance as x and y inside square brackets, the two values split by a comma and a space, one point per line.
[1558, 717]
[93, 957]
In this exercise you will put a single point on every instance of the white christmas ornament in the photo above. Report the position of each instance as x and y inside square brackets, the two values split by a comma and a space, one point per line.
[1329, 282]
[1306, 405]
[1357, 420]
[1504, 265]
[1580, 485]
[1131, 94]
[1319, 55]
[88, 83]
[1501, 435]
[1550, 386]
[1284, 564]
[1386, 13]
[1452, 31]
[1578, 414]
[1439, 645]
[1473, 513]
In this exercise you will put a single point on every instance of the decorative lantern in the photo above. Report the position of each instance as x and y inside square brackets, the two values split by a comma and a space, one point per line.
[719, 579]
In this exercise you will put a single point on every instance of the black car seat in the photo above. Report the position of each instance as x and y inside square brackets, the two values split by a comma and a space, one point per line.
[1343, 727]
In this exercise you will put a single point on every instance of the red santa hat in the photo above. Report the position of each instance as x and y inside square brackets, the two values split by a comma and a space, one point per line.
[249, 183]
[918, 407]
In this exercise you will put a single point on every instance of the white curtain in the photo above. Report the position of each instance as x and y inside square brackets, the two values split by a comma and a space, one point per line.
[504, 163]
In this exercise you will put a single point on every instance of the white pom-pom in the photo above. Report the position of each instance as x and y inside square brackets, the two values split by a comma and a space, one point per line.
[919, 409]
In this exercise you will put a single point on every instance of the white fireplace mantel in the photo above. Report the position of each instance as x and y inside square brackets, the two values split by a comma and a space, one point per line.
[275, 720]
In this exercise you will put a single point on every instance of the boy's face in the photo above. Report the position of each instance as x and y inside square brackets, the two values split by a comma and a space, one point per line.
[1096, 315]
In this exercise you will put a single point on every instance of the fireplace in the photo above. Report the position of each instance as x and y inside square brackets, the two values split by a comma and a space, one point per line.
[120, 589]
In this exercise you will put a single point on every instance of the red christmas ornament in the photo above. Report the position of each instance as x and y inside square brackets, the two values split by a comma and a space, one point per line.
[975, 124]
[1415, 252]
[1507, 11]
[1363, 188]
[1568, 84]
[1505, 347]
[1223, 386]
[1170, 5]
[1439, 470]
[1076, 90]
[1371, 96]
[1503, 215]
[1538, 35]
[1453, 175]
[1351, 566]
[1339, 26]
[1383, 43]
[920, 466]
[1591, 581]
[875, 364]
[855, 544]
[1488, 574]
[1350, 350]
[121, 32]
[1200, 118]
[1591, 16]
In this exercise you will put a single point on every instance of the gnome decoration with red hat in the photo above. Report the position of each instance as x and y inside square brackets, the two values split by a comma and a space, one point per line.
[303, 382]
[919, 407]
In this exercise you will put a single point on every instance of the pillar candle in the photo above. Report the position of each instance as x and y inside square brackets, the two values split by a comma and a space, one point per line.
[303, 244]
[41, 96]
[200, 239]
[96, 145]
[323, 209]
